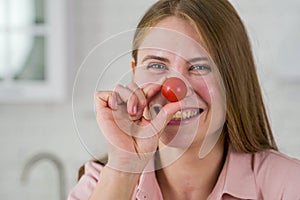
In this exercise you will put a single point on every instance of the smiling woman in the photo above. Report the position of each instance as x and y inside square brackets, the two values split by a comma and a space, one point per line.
[215, 142]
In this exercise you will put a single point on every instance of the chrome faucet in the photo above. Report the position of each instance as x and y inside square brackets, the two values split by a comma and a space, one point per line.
[49, 157]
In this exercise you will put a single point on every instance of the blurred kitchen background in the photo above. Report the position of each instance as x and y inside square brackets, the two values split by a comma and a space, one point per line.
[44, 42]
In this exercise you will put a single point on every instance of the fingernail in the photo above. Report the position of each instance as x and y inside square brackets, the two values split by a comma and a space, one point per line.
[116, 105]
[134, 109]
[115, 101]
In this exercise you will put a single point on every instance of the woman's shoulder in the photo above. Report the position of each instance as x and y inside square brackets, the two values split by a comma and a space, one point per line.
[275, 161]
[277, 173]
[88, 176]
[93, 165]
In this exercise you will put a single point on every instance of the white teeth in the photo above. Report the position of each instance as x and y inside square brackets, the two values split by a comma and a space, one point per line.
[184, 115]
[179, 115]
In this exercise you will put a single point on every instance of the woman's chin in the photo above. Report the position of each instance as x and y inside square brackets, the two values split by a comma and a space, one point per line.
[178, 139]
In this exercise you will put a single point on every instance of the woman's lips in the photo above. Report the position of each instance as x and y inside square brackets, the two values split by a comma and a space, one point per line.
[183, 116]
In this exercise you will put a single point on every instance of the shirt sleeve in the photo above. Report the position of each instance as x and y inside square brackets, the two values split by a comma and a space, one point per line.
[278, 176]
[291, 181]
[87, 183]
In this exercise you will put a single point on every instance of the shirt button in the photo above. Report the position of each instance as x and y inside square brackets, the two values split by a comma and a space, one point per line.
[143, 195]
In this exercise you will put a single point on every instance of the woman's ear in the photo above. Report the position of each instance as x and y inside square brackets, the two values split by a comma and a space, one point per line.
[132, 65]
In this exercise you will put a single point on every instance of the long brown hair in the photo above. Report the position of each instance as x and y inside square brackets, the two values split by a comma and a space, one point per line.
[247, 128]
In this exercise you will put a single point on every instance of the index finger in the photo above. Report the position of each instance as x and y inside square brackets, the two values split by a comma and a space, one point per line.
[152, 89]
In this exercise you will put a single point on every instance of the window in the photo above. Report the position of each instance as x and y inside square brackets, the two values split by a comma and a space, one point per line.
[32, 50]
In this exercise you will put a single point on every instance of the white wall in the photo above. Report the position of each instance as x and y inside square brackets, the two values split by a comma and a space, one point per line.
[274, 30]
[27, 130]
[30, 129]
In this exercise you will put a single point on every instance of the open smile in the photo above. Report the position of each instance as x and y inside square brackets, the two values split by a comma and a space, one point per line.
[183, 116]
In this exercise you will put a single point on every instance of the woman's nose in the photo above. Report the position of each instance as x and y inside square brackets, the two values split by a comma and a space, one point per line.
[190, 90]
[174, 89]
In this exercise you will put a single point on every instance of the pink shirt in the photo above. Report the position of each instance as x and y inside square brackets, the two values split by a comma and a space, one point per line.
[267, 175]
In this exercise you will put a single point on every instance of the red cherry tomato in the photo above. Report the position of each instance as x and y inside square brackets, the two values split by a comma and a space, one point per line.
[174, 89]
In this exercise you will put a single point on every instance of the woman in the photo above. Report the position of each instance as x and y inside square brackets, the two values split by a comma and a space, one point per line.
[154, 143]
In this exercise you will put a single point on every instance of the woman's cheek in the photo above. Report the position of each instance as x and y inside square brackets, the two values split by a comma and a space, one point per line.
[201, 88]
[217, 104]
[143, 77]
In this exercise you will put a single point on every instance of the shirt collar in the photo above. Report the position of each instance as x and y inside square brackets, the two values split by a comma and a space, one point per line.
[237, 178]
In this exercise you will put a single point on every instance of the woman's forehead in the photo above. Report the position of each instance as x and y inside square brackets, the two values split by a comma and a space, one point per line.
[180, 25]
[167, 56]
[173, 35]
[168, 42]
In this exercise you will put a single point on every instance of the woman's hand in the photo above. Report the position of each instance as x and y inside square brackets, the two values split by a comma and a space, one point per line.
[132, 136]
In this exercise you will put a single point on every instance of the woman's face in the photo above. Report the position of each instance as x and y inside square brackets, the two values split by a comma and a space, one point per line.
[174, 48]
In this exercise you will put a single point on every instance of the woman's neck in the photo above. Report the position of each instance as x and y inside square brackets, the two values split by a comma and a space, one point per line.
[190, 177]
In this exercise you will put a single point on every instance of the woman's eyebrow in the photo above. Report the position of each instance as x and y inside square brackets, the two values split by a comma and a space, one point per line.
[149, 57]
[197, 59]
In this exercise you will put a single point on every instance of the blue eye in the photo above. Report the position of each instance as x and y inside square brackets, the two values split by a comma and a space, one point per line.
[201, 69]
[157, 66]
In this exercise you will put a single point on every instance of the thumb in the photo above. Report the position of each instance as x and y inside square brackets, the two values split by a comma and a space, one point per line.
[164, 116]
